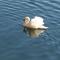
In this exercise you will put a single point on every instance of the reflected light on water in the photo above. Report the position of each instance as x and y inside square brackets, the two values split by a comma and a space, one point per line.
[33, 32]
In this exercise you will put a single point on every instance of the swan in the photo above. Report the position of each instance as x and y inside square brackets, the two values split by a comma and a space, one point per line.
[36, 22]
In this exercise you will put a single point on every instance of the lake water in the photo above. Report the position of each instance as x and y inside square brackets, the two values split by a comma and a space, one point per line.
[15, 44]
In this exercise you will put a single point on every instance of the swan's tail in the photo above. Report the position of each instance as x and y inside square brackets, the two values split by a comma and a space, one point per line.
[43, 27]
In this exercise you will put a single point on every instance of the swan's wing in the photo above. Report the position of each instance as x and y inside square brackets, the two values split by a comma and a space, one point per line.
[38, 20]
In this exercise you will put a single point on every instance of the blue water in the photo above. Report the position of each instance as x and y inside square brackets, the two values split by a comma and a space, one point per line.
[17, 45]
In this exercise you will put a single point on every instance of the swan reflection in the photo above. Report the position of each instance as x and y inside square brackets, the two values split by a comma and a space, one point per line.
[33, 32]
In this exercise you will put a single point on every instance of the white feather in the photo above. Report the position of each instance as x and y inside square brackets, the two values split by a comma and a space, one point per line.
[38, 22]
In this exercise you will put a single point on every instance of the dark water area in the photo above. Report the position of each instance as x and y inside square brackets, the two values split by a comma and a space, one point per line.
[16, 44]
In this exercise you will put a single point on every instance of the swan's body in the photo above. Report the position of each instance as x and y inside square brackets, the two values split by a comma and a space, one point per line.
[36, 22]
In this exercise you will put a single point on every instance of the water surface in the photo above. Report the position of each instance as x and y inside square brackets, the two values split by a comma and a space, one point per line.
[17, 45]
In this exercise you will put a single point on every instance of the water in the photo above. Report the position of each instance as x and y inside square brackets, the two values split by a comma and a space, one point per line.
[17, 45]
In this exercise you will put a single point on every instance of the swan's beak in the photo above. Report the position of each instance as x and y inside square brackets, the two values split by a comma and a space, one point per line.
[23, 19]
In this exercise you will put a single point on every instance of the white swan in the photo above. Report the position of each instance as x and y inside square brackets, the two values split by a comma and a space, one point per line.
[36, 22]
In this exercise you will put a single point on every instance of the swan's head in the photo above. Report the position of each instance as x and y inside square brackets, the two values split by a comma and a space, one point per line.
[26, 20]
